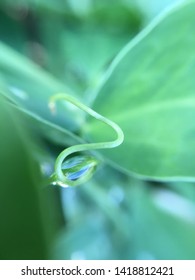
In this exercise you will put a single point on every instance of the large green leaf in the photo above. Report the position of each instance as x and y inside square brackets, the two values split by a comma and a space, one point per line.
[149, 91]
[25, 226]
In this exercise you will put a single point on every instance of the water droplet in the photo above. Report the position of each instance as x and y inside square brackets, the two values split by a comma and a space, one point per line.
[78, 170]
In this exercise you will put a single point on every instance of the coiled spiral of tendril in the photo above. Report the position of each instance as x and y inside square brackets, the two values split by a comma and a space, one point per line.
[77, 170]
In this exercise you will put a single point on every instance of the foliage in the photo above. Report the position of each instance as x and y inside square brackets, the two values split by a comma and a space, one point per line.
[130, 62]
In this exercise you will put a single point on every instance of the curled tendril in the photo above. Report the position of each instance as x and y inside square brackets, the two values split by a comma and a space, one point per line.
[61, 176]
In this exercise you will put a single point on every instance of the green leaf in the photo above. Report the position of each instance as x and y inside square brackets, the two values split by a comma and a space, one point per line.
[149, 92]
[25, 225]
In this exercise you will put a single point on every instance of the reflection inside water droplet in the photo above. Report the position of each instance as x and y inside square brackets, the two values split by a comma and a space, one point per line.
[77, 169]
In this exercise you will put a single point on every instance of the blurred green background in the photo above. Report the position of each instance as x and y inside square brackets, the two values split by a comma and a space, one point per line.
[138, 205]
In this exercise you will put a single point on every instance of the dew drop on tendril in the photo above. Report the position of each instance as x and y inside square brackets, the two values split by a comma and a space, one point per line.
[77, 169]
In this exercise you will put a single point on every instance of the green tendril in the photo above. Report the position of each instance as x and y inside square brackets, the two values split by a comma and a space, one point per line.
[60, 176]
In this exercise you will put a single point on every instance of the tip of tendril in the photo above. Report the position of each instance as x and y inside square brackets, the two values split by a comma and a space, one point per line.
[52, 107]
